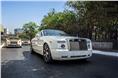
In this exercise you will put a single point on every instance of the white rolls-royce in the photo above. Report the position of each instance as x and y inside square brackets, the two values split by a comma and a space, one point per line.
[57, 45]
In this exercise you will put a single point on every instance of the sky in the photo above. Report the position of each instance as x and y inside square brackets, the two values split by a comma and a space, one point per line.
[17, 13]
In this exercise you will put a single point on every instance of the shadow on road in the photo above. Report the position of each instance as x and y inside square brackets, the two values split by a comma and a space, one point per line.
[33, 66]
[38, 57]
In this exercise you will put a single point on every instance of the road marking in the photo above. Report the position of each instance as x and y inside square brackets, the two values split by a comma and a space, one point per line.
[106, 53]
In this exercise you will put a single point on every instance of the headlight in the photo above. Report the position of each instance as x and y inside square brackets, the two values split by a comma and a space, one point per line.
[61, 44]
[8, 41]
[19, 41]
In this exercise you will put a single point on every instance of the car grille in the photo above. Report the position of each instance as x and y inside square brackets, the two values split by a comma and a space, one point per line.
[13, 42]
[78, 44]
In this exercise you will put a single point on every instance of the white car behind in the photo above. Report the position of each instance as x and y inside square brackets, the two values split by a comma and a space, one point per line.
[57, 45]
[13, 42]
[25, 42]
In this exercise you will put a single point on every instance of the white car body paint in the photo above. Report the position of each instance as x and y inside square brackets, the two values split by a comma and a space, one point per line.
[13, 43]
[58, 53]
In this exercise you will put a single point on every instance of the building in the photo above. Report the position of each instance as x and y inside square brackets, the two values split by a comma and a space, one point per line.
[1, 29]
[18, 31]
[6, 31]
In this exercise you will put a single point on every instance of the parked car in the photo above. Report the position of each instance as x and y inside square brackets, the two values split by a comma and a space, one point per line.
[25, 42]
[13, 42]
[57, 45]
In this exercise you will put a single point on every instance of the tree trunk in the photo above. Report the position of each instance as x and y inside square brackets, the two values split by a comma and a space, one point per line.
[30, 42]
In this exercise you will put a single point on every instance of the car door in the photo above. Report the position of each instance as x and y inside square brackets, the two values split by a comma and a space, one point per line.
[34, 42]
[40, 43]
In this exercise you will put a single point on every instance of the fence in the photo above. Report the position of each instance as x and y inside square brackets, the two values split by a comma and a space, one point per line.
[102, 45]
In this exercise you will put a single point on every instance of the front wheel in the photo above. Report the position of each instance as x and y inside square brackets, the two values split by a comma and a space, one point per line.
[47, 54]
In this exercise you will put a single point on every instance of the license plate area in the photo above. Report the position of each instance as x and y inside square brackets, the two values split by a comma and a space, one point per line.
[14, 43]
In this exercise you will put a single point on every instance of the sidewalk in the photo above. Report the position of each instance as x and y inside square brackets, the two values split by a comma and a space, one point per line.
[110, 53]
[106, 50]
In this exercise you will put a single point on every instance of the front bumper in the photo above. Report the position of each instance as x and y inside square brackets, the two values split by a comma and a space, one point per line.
[70, 55]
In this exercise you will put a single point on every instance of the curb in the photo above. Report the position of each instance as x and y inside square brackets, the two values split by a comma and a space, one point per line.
[106, 53]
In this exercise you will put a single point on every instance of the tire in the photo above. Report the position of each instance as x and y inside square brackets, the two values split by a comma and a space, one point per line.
[47, 54]
[32, 51]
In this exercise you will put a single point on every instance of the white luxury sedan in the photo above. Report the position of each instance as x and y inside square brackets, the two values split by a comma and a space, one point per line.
[13, 42]
[57, 45]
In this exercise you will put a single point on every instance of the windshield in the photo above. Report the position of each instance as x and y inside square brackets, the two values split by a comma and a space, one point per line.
[49, 32]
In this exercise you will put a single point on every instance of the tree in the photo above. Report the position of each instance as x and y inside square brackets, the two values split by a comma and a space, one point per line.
[23, 36]
[30, 29]
[98, 20]
[65, 21]
[95, 14]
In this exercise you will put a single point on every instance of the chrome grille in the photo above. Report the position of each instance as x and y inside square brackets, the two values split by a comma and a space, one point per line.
[78, 44]
[13, 42]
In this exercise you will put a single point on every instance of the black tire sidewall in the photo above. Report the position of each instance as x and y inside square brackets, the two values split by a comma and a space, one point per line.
[50, 57]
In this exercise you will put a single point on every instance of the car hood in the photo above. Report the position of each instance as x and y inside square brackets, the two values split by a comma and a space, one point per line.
[61, 37]
[14, 40]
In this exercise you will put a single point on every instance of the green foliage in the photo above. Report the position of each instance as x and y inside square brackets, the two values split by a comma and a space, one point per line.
[65, 21]
[30, 29]
[97, 20]
[94, 17]
[88, 18]
[23, 36]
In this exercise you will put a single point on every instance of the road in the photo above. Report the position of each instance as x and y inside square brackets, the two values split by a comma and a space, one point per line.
[19, 63]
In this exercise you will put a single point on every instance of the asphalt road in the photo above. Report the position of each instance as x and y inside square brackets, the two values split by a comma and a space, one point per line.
[19, 63]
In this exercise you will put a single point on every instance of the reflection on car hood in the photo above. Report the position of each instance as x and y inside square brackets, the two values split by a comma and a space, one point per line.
[61, 37]
[14, 40]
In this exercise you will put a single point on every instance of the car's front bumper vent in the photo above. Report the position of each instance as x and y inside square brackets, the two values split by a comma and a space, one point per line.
[78, 56]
